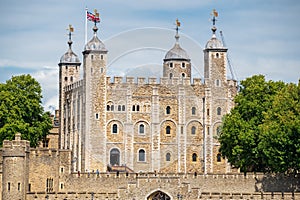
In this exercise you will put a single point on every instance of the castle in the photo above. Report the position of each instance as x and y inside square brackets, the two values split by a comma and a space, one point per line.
[143, 139]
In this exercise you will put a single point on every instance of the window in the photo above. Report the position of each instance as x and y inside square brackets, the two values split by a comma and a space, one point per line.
[171, 65]
[123, 108]
[66, 78]
[62, 170]
[168, 157]
[219, 110]
[193, 130]
[92, 57]
[112, 107]
[183, 65]
[19, 186]
[171, 76]
[97, 116]
[133, 108]
[71, 78]
[107, 107]
[142, 129]
[218, 131]
[183, 75]
[193, 111]
[115, 128]
[29, 187]
[168, 110]
[218, 83]
[194, 157]
[101, 57]
[61, 186]
[207, 112]
[8, 186]
[219, 158]
[46, 142]
[119, 107]
[137, 108]
[168, 130]
[142, 155]
[101, 70]
[217, 55]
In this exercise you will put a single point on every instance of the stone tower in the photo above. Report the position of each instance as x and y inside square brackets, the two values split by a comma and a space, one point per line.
[177, 62]
[94, 115]
[216, 97]
[69, 67]
[15, 168]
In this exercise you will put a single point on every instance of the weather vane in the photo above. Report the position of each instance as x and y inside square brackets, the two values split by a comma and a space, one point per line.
[214, 14]
[71, 30]
[177, 25]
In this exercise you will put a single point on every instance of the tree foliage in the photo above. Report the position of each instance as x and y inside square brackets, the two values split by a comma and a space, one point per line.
[21, 110]
[262, 131]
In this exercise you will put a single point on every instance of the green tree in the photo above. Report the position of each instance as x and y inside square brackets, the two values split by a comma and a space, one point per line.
[240, 130]
[21, 110]
[280, 138]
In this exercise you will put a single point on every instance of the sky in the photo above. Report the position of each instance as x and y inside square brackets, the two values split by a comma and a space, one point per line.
[262, 37]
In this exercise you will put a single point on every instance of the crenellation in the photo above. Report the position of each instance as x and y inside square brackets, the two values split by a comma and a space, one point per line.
[129, 80]
[152, 80]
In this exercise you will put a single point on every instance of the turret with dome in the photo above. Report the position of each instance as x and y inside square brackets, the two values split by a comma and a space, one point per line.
[177, 62]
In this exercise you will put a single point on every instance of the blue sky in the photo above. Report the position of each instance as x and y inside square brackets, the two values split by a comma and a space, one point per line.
[262, 36]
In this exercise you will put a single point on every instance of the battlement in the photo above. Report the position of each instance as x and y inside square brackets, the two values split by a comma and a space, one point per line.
[152, 81]
[15, 147]
[44, 152]
[73, 86]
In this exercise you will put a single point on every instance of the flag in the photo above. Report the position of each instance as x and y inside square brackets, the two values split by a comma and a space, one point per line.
[91, 17]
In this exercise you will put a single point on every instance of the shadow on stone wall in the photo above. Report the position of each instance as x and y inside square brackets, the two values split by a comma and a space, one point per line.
[278, 183]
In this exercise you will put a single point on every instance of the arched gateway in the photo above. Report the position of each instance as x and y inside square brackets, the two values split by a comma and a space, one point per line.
[158, 195]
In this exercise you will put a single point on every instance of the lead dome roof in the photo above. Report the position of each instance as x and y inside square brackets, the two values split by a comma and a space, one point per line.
[69, 56]
[95, 43]
[176, 52]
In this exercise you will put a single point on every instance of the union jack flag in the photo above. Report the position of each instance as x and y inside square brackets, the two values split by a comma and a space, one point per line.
[91, 17]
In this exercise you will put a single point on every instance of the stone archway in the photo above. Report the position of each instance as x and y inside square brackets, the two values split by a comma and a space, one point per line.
[158, 195]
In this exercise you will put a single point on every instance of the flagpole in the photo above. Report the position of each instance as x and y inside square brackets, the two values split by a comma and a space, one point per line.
[85, 34]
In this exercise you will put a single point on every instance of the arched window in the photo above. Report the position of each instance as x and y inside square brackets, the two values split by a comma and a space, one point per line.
[194, 157]
[168, 130]
[112, 107]
[219, 158]
[123, 108]
[218, 131]
[193, 110]
[142, 129]
[137, 108]
[133, 108]
[183, 75]
[142, 155]
[168, 110]
[183, 65]
[71, 78]
[219, 110]
[119, 107]
[171, 65]
[114, 157]
[193, 130]
[115, 128]
[168, 157]
[217, 55]
[107, 107]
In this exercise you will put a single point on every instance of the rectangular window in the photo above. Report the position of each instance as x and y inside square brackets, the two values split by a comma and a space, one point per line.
[29, 187]
[97, 116]
[8, 186]
[19, 186]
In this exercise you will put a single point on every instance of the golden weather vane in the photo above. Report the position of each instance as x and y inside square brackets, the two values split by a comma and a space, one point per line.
[215, 14]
